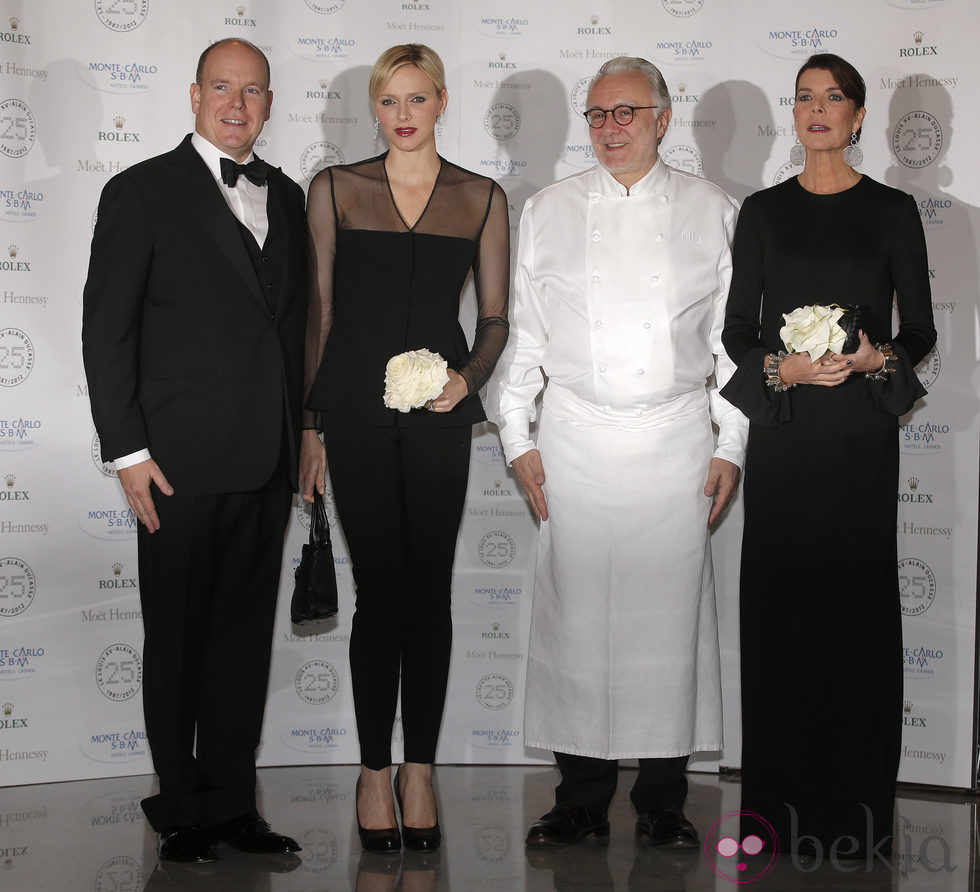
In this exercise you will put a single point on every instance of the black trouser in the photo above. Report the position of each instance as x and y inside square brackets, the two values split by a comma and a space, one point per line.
[208, 584]
[399, 494]
[591, 783]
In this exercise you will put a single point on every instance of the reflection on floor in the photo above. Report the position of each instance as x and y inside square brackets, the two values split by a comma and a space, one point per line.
[90, 835]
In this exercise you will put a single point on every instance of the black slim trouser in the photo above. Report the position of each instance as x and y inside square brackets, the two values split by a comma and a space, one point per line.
[399, 495]
[591, 783]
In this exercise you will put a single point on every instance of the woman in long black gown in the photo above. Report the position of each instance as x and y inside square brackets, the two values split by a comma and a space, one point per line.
[393, 239]
[820, 619]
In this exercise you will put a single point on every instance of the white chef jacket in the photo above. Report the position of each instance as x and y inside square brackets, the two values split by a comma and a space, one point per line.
[619, 298]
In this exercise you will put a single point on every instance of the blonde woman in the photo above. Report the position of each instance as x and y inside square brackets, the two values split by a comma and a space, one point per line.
[393, 239]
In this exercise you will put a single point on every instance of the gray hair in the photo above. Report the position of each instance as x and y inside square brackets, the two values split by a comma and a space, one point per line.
[625, 64]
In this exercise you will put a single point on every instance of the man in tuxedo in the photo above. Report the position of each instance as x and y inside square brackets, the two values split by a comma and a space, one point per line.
[192, 334]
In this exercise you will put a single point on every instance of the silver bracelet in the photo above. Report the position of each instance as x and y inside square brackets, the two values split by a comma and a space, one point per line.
[890, 365]
[771, 371]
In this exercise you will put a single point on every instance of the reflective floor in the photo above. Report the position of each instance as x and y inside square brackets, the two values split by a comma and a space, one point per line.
[90, 835]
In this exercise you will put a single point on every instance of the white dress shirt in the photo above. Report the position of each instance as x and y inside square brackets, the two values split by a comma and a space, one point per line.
[247, 202]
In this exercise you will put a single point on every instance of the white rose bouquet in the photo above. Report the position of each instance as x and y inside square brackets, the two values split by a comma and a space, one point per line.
[413, 378]
[813, 330]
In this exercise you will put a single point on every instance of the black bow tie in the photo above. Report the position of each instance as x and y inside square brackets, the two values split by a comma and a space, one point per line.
[256, 171]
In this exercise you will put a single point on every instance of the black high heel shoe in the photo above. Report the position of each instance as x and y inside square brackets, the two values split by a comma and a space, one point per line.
[388, 839]
[418, 839]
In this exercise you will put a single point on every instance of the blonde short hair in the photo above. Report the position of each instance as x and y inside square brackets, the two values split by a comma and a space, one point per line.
[422, 57]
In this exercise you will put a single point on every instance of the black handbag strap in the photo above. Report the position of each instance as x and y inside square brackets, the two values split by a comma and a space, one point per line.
[319, 526]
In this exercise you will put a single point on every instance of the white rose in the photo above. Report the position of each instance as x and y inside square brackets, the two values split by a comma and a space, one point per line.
[813, 330]
[413, 378]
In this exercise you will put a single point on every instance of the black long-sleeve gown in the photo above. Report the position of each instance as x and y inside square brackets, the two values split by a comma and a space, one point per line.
[820, 616]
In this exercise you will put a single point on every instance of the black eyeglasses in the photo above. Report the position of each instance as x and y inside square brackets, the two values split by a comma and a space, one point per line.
[622, 114]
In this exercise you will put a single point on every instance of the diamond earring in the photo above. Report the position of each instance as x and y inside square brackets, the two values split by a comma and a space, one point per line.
[852, 153]
[797, 154]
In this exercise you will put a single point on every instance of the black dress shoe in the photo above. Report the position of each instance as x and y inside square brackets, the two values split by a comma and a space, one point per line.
[667, 827]
[567, 823]
[384, 841]
[186, 844]
[249, 833]
[418, 839]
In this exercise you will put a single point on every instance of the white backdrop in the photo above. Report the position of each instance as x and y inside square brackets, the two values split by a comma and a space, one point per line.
[88, 87]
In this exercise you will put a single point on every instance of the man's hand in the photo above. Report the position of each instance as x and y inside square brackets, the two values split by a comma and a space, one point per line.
[721, 485]
[312, 465]
[136, 481]
[530, 475]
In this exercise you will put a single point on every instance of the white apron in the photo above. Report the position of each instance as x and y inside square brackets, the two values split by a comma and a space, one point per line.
[623, 655]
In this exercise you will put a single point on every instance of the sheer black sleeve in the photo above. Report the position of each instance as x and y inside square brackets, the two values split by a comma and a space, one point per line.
[321, 224]
[491, 273]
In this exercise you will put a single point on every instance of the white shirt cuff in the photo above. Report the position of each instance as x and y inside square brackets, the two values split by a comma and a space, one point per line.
[134, 458]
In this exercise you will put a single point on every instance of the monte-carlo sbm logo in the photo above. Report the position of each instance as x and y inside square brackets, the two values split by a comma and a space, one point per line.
[796, 43]
[121, 75]
[19, 434]
[20, 204]
[501, 26]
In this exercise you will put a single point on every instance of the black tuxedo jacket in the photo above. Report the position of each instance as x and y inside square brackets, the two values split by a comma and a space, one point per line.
[185, 352]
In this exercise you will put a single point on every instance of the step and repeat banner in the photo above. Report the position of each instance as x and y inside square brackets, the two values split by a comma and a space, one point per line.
[89, 87]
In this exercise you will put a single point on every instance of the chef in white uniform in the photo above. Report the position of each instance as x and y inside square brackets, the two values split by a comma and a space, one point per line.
[622, 277]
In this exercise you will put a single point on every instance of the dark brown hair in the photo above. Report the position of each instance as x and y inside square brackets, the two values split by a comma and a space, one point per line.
[848, 78]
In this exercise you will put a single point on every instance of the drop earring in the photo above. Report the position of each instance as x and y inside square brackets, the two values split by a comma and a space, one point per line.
[852, 153]
[797, 154]
[377, 128]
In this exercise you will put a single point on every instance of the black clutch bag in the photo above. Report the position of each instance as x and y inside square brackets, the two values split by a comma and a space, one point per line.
[315, 592]
[851, 322]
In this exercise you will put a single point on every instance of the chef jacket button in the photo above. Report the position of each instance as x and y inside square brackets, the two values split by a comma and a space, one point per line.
[654, 280]
[664, 199]
[598, 323]
[602, 368]
[639, 371]
[646, 324]
[595, 277]
[659, 237]
[639, 411]
[596, 236]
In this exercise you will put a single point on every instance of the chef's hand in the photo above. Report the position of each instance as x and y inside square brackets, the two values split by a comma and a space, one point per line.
[530, 475]
[721, 485]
